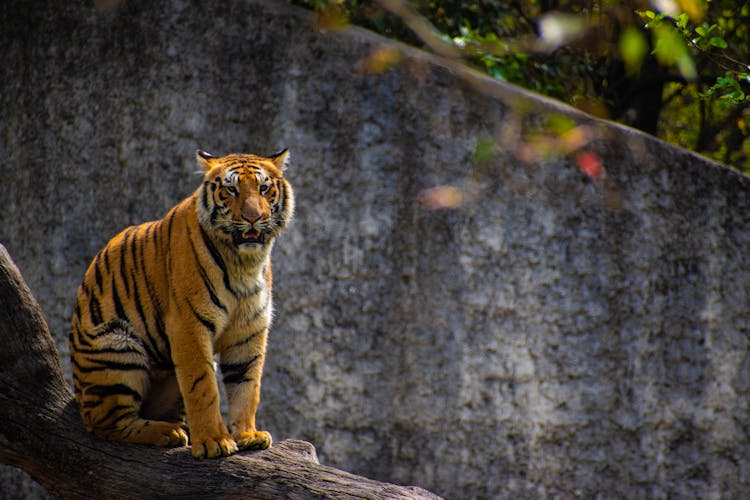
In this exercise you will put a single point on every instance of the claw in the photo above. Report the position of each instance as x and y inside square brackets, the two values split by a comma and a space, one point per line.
[259, 440]
[214, 447]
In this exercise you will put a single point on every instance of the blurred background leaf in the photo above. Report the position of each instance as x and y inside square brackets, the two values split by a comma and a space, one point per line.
[677, 69]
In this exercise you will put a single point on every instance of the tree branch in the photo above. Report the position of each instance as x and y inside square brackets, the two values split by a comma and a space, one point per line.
[42, 433]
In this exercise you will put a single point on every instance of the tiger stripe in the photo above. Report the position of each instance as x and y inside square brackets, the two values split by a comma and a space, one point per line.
[217, 259]
[236, 373]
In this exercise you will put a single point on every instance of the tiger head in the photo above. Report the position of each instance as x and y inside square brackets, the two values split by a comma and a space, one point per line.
[244, 200]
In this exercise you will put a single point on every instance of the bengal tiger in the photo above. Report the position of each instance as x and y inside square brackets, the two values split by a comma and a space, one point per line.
[161, 299]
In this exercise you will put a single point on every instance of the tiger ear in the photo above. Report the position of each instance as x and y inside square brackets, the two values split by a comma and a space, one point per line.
[204, 159]
[280, 159]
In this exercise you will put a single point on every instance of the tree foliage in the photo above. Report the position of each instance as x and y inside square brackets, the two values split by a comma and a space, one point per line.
[678, 71]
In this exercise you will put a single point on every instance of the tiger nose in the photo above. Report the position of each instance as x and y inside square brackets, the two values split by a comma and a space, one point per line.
[251, 210]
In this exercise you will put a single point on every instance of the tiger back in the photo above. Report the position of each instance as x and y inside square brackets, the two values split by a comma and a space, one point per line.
[161, 299]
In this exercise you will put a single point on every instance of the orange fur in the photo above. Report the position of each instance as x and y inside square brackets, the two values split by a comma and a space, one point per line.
[161, 299]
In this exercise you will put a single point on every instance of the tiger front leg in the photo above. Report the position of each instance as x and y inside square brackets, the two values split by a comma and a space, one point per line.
[196, 377]
[241, 374]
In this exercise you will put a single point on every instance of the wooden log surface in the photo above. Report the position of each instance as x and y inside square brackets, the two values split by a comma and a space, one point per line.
[42, 434]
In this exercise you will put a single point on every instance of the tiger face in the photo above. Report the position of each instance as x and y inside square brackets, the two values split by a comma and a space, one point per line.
[244, 199]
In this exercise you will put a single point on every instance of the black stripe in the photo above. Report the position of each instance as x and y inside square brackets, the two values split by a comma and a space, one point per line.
[139, 262]
[281, 189]
[218, 260]
[282, 194]
[234, 373]
[95, 310]
[237, 380]
[77, 335]
[169, 224]
[147, 236]
[204, 197]
[91, 404]
[106, 365]
[106, 261]
[135, 242]
[170, 220]
[129, 430]
[115, 409]
[214, 298]
[123, 269]
[215, 209]
[195, 383]
[205, 321]
[113, 390]
[247, 339]
[157, 233]
[110, 326]
[150, 347]
[162, 333]
[157, 315]
[119, 311]
[98, 272]
[206, 281]
[105, 350]
[137, 300]
[115, 422]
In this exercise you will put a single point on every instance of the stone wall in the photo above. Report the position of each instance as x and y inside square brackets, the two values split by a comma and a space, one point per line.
[556, 333]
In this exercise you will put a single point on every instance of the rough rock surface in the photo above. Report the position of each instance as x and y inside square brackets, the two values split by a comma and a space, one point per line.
[555, 334]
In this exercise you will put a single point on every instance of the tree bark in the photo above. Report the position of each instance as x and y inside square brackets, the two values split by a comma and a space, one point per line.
[42, 433]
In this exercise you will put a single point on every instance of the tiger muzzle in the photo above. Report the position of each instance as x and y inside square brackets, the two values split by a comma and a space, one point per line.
[249, 236]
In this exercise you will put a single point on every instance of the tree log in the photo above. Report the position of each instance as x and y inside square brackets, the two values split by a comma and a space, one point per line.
[42, 434]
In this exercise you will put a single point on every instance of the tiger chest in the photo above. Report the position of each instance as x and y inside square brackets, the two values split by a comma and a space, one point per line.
[248, 319]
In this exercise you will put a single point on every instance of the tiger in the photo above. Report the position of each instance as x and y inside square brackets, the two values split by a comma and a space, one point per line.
[163, 298]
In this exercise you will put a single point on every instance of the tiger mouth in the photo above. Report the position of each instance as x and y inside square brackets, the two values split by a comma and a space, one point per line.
[251, 236]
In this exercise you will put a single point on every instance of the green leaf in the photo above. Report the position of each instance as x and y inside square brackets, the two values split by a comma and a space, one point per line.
[682, 20]
[705, 31]
[670, 49]
[728, 89]
[718, 42]
[559, 124]
[633, 48]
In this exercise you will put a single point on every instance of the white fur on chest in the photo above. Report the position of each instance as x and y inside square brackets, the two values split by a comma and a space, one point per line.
[251, 312]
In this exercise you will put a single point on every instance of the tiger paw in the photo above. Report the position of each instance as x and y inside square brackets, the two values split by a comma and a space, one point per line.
[258, 440]
[152, 432]
[220, 446]
[172, 435]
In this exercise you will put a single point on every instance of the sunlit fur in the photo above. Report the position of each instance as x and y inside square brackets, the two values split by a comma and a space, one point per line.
[162, 298]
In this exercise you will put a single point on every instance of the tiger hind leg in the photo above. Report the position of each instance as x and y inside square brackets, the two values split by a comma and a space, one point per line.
[111, 368]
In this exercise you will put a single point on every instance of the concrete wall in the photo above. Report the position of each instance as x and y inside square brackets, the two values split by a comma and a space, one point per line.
[553, 335]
